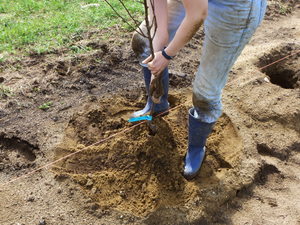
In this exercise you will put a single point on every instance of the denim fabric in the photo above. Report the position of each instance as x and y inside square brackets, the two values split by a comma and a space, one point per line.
[176, 13]
[228, 28]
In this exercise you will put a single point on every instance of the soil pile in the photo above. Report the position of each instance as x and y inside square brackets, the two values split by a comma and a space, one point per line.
[139, 173]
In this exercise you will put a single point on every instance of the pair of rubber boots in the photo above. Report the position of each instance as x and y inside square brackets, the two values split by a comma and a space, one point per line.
[198, 131]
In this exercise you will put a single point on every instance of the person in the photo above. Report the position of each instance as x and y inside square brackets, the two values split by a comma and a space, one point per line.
[228, 27]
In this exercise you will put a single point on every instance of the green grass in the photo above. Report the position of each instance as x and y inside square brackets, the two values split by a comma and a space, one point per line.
[46, 105]
[5, 92]
[42, 25]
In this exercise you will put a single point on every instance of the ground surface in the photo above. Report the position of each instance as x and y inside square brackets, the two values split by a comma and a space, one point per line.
[251, 172]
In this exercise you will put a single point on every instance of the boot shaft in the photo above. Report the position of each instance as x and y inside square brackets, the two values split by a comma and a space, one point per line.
[164, 105]
[198, 131]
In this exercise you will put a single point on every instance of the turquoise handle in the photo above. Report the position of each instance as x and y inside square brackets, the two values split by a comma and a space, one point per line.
[135, 119]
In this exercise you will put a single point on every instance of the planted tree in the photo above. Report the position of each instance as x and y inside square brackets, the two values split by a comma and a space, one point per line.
[156, 85]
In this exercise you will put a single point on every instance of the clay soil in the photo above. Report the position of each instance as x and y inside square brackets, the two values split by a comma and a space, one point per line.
[124, 174]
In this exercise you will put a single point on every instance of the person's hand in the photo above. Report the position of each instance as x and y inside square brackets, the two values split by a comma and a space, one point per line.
[158, 64]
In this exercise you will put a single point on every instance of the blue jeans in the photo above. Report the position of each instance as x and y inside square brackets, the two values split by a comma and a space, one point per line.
[228, 28]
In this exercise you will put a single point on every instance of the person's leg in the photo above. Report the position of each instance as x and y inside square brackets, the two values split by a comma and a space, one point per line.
[140, 45]
[228, 28]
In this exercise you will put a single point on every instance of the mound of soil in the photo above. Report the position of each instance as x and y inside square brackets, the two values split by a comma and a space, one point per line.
[138, 173]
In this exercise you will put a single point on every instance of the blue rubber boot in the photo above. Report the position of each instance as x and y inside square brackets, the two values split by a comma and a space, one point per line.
[158, 108]
[198, 133]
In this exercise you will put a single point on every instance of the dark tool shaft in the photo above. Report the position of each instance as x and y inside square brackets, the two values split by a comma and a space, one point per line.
[151, 125]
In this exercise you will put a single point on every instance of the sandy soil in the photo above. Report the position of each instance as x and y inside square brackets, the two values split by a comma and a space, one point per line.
[251, 171]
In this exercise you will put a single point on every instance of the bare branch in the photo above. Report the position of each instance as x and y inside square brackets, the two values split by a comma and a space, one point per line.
[137, 23]
[149, 36]
[124, 20]
[156, 87]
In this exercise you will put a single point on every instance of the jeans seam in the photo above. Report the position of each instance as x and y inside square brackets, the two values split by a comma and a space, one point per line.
[261, 15]
[241, 37]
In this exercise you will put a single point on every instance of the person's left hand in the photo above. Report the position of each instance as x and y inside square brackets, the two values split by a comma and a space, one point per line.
[158, 64]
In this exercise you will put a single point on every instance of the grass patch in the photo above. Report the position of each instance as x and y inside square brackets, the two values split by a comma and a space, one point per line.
[46, 105]
[5, 92]
[43, 25]
[2, 58]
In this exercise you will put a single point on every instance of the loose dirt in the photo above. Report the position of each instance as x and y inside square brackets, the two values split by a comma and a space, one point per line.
[139, 173]
[250, 174]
